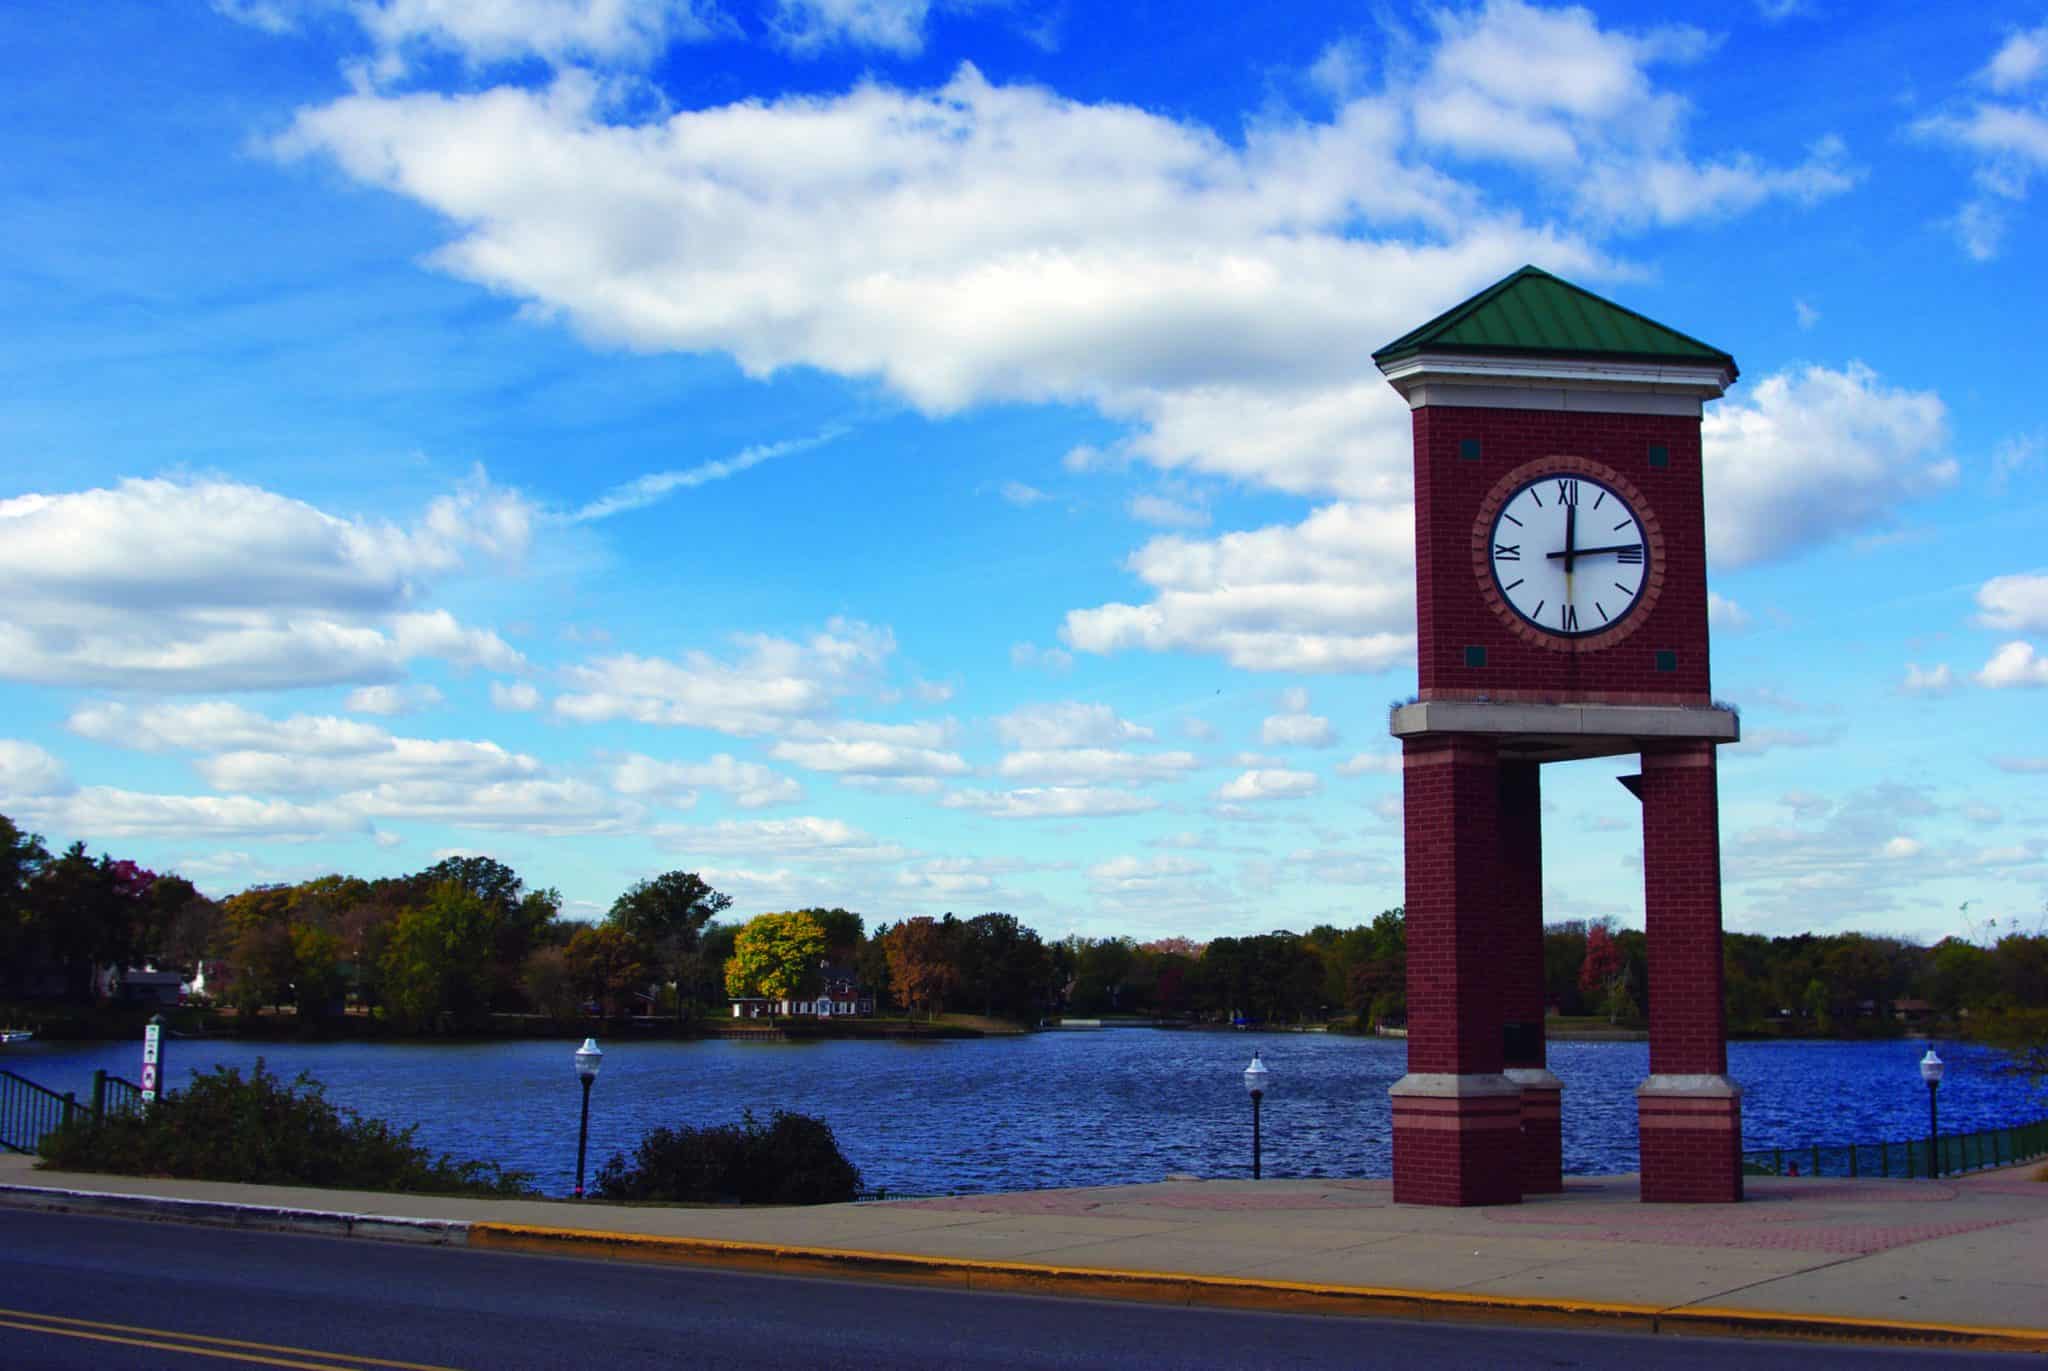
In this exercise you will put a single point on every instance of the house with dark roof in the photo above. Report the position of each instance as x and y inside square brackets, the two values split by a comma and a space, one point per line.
[839, 994]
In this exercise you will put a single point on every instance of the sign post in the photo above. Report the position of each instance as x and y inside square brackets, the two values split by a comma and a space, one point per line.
[152, 1059]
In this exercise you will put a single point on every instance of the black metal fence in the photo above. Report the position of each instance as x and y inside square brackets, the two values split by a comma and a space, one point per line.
[28, 1110]
[1952, 1153]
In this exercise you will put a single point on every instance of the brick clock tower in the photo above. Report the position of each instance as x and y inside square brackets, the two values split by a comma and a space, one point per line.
[1561, 613]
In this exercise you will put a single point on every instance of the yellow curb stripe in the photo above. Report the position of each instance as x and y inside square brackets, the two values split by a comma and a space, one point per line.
[243, 1343]
[1248, 1293]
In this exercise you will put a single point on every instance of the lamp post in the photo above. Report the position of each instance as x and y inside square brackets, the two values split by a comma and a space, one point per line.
[588, 1060]
[1255, 1081]
[1930, 1071]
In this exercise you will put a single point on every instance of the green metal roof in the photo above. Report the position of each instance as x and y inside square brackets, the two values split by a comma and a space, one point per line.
[1535, 313]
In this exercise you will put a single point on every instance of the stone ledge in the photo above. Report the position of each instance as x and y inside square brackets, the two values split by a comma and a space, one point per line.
[1560, 732]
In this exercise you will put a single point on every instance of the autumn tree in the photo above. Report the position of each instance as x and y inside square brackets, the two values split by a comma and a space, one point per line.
[608, 964]
[921, 973]
[667, 916]
[1603, 976]
[775, 956]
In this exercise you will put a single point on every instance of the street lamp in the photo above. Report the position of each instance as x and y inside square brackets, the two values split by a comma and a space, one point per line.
[1930, 1072]
[588, 1060]
[1255, 1081]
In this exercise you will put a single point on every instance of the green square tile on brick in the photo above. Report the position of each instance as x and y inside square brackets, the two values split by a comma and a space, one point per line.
[1667, 661]
[1660, 456]
[1468, 449]
[1475, 656]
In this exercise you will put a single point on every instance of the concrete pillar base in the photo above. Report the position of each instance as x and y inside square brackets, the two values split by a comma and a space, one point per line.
[1456, 1139]
[1542, 1145]
[1689, 1130]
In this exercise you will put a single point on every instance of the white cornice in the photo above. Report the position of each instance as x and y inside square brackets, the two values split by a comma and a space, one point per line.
[1474, 376]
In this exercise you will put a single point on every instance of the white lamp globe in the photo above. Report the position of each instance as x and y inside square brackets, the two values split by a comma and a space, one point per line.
[1931, 1068]
[1255, 1076]
[588, 1059]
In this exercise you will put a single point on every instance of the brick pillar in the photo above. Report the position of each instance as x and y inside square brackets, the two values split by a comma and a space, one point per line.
[1688, 1113]
[1457, 1119]
[1521, 971]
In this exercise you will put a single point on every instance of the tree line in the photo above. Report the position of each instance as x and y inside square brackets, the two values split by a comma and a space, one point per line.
[466, 937]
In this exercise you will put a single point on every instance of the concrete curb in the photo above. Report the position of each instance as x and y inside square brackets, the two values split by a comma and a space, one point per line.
[1025, 1278]
[220, 1214]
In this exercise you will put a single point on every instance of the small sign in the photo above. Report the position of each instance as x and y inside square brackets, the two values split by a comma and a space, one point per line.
[152, 1041]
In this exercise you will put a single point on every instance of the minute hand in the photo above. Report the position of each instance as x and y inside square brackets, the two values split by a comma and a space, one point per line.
[1596, 551]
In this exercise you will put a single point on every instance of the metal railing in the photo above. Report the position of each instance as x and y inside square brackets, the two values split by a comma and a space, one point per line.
[27, 1111]
[1953, 1153]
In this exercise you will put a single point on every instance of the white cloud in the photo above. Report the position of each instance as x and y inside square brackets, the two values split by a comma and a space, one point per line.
[2014, 602]
[1552, 91]
[391, 700]
[1901, 847]
[109, 812]
[2006, 141]
[2022, 59]
[1815, 454]
[1724, 614]
[1934, 680]
[1017, 493]
[1068, 723]
[1806, 314]
[869, 757]
[1333, 593]
[483, 32]
[774, 683]
[220, 726]
[1095, 765]
[1051, 659]
[808, 26]
[802, 839]
[535, 805]
[657, 486]
[1051, 802]
[449, 761]
[27, 770]
[1297, 730]
[515, 696]
[214, 585]
[2015, 664]
[1165, 511]
[1216, 294]
[1270, 784]
[1371, 763]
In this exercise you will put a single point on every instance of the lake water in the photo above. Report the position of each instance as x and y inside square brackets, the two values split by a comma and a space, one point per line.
[1053, 1109]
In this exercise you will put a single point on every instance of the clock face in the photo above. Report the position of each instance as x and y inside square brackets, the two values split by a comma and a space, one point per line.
[1570, 555]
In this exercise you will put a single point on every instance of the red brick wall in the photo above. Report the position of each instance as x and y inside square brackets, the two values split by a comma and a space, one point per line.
[1451, 615]
[1521, 907]
[1682, 910]
[1450, 814]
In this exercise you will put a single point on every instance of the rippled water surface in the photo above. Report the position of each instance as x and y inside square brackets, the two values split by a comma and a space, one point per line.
[1054, 1109]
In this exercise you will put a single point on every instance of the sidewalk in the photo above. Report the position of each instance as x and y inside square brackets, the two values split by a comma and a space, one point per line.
[1961, 1263]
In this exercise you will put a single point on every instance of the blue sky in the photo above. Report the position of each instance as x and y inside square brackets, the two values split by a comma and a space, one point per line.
[924, 456]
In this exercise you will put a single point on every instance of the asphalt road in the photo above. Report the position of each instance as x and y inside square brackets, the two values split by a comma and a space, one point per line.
[111, 1294]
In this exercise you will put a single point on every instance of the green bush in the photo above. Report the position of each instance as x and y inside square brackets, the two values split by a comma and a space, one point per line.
[794, 1159]
[263, 1131]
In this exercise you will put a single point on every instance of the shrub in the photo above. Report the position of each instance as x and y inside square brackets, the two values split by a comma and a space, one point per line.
[263, 1131]
[793, 1159]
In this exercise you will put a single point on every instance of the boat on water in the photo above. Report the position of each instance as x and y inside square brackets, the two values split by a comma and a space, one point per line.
[16, 1035]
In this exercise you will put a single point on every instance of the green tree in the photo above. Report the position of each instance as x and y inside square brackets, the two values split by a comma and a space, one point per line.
[775, 955]
[437, 962]
[667, 915]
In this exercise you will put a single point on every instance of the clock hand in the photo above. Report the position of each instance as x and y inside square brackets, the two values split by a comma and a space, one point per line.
[1571, 524]
[1596, 551]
